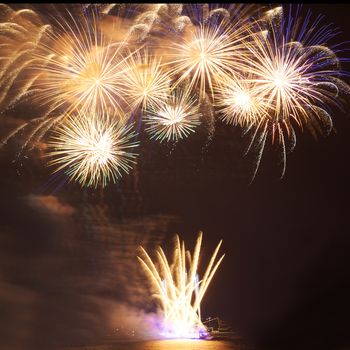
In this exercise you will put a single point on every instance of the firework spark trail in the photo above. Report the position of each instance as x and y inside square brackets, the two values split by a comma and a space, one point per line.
[174, 119]
[18, 129]
[142, 25]
[179, 289]
[93, 149]
[20, 34]
[158, 18]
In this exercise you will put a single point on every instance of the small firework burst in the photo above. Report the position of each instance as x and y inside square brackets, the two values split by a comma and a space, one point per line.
[93, 149]
[146, 83]
[174, 119]
[239, 101]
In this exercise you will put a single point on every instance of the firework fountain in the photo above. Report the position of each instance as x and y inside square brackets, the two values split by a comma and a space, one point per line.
[179, 289]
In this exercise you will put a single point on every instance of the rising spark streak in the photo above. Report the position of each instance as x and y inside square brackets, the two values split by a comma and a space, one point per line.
[178, 288]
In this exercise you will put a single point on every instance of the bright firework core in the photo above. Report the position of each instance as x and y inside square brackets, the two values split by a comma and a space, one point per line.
[179, 289]
[98, 148]
[280, 80]
[175, 119]
[243, 100]
[173, 115]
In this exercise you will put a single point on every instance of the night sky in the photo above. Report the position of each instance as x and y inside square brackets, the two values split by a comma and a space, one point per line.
[68, 267]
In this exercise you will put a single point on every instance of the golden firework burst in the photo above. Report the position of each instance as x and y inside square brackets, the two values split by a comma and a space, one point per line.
[146, 84]
[93, 149]
[174, 119]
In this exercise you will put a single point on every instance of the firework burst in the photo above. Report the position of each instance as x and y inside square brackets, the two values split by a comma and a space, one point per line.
[240, 102]
[178, 288]
[70, 67]
[83, 72]
[296, 75]
[93, 149]
[206, 55]
[146, 83]
[268, 73]
[174, 119]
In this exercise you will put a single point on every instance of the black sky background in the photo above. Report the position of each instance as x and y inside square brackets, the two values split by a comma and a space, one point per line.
[67, 255]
